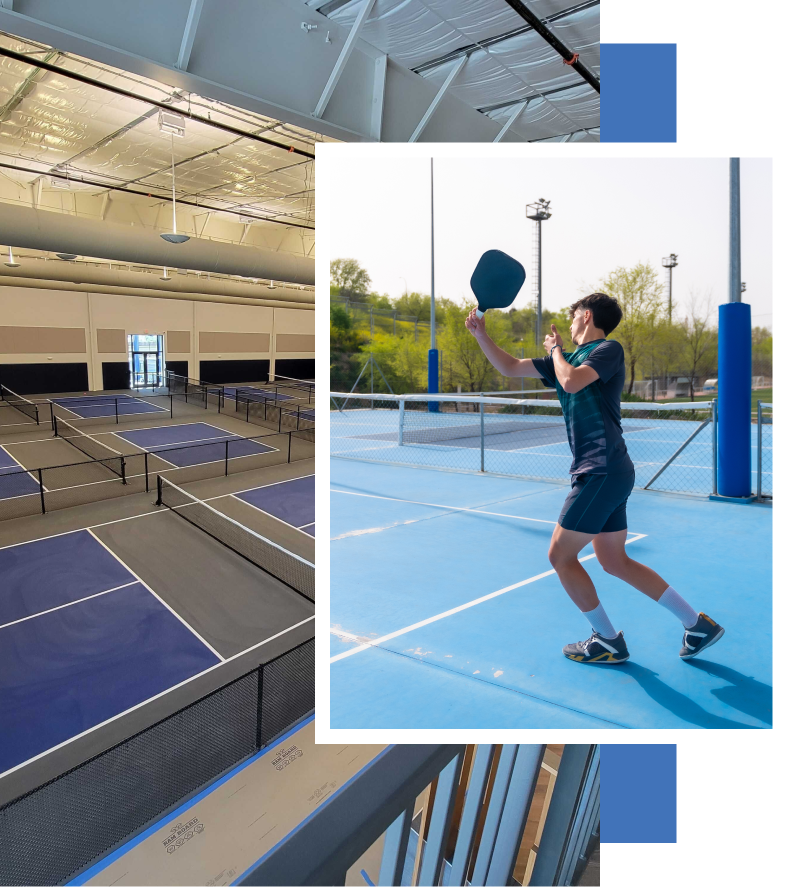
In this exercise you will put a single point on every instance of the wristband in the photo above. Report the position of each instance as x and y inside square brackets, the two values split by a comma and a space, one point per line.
[552, 350]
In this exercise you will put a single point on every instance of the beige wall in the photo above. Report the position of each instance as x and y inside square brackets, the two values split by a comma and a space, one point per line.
[103, 321]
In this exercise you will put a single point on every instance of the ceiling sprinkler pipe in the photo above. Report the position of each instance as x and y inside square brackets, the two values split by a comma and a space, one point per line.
[28, 228]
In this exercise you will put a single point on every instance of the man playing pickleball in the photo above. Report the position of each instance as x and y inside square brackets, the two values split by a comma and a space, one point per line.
[589, 382]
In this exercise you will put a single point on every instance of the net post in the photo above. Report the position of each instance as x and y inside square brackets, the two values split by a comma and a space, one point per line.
[38, 422]
[171, 411]
[289, 444]
[54, 424]
[41, 491]
[401, 423]
[117, 414]
[714, 447]
[147, 478]
[280, 419]
[227, 457]
[247, 406]
[259, 724]
[159, 489]
[481, 432]
[760, 450]
[51, 415]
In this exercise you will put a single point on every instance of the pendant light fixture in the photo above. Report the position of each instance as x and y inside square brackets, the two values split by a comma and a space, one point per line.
[174, 237]
[11, 263]
[166, 275]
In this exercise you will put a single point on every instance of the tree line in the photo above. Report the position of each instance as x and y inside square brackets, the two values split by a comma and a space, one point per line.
[657, 346]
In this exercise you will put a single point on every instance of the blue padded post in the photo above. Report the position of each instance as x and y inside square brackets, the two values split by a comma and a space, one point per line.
[433, 370]
[734, 374]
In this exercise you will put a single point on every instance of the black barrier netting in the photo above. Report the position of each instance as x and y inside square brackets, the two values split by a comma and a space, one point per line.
[49, 834]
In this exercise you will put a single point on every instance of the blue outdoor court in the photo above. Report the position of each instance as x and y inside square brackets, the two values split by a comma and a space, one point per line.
[195, 443]
[14, 480]
[81, 640]
[445, 611]
[290, 501]
[94, 405]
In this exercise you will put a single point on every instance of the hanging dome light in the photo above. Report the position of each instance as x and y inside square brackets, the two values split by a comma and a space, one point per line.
[174, 237]
[66, 257]
[166, 276]
[11, 263]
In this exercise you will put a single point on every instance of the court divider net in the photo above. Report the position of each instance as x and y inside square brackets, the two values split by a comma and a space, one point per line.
[112, 459]
[291, 569]
[25, 406]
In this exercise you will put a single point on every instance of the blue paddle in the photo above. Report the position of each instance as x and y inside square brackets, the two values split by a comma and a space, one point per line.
[496, 280]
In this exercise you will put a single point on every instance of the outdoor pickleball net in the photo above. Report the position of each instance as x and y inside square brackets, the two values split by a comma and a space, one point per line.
[291, 569]
[672, 445]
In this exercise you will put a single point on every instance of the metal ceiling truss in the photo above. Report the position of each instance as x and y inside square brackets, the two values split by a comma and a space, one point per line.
[282, 58]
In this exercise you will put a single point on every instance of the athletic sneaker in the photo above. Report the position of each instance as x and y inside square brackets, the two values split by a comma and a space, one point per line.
[703, 634]
[605, 651]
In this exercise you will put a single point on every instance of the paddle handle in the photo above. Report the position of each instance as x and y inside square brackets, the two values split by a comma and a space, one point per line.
[479, 312]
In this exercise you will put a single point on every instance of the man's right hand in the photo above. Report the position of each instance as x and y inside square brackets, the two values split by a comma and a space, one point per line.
[475, 325]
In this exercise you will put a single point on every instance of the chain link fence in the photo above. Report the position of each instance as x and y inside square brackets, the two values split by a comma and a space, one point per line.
[764, 451]
[670, 444]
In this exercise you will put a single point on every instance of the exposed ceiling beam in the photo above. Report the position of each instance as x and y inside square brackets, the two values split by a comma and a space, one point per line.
[450, 78]
[117, 90]
[189, 33]
[571, 58]
[510, 121]
[344, 56]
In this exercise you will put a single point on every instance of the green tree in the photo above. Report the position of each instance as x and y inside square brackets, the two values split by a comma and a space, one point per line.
[350, 279]
[639, 294]
[465, 363]
[698, 355]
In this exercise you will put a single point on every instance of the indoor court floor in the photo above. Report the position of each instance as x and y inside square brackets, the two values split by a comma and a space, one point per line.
[445, 611]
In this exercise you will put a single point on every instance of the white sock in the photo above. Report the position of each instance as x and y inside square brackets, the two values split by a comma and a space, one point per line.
[672, 601]
[600, 622]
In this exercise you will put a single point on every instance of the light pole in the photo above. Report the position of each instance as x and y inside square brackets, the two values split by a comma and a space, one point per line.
[670, 263]
[539, 212]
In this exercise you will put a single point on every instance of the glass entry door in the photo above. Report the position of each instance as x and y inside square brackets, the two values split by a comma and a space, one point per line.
[146, 360]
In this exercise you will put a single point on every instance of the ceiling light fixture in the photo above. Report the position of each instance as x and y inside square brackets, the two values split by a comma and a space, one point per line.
[11, 263]
[166, 276]
[66, 257]
[174, 237]
[271, 285]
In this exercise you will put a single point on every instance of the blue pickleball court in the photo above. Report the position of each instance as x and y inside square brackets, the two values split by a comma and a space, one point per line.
[14, 480]
[82, 639]
[96, 405]
[290, 501]
[195, 443]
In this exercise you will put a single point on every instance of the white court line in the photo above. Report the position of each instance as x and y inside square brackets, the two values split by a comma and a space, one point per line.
[367, 644]
[152, 698]
[307, 525]
[69, 604]
[446, 507]
[29, 473]
[158, 598]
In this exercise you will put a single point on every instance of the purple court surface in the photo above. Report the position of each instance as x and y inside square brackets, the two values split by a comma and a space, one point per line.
[260, 394]
[82, 639]
[106, 405]
[195, 443]
[291, 501]
[14, 480]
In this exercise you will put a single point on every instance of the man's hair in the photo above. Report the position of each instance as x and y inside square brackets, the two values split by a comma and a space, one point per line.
[604, 309]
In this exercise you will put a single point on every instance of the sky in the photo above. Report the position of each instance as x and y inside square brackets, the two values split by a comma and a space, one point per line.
[607, 212]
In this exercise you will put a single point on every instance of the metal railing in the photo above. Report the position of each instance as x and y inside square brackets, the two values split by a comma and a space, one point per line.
[476, 822]
[671, 445]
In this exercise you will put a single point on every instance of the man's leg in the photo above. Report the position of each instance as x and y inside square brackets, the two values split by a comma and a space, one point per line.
[700, 630]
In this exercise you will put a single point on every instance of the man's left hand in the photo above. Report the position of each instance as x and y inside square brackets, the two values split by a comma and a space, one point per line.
[553, 338]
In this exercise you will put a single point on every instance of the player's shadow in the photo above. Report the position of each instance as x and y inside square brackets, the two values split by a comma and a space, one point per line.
[681, 706]
[744, 693]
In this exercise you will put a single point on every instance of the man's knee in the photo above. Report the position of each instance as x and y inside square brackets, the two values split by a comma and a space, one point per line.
[616, 566]
[559, 558]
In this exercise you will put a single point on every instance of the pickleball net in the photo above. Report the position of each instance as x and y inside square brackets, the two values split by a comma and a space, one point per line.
[291, 569]
[111, 459]
[22, 404]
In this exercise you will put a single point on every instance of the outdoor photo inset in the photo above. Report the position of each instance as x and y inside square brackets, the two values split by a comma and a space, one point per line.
[551, 441]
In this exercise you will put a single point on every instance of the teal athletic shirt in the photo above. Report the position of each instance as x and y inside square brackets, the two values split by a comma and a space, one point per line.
[593, 415]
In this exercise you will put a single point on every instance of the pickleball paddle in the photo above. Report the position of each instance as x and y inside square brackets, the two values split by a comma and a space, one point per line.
[496, 280]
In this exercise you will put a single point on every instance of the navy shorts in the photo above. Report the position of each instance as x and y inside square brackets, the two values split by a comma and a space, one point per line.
[597, 503]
